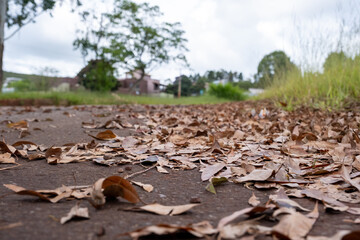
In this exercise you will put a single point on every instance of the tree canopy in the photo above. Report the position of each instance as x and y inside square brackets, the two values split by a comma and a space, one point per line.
[133, 37]
[274, 65]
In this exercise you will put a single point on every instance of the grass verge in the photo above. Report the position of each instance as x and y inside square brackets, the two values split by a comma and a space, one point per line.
[335, 88]
[98, 98]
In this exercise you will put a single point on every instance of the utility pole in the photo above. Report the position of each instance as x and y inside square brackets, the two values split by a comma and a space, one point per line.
[2, 36]
[179, 87]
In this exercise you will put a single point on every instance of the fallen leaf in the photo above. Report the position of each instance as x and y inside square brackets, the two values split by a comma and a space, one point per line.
[166, 210]
[6, 158]
[253, 200]
[256, 175]
[214, 182]
[112, 187]
[106, 135]
[146, 187]
[211, 170]
[21, 125]
[76, 212]
[200, 230]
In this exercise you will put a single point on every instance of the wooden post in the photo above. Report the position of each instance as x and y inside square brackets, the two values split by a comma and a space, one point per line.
[179, 87]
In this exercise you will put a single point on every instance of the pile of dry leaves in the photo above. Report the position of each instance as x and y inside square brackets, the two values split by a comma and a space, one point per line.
[303, 154]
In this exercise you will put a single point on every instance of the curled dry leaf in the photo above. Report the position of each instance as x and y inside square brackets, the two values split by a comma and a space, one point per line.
[166, 210]
[53, 155]
[106, 135]
[75, 212]
[113, 186]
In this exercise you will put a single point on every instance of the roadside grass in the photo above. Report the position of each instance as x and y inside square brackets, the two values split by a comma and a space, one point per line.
[205, 99]
[99, 98]
[332, 89]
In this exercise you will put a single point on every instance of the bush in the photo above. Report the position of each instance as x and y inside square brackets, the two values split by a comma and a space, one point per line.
[22, 86]
[98, 75]
[227, 91]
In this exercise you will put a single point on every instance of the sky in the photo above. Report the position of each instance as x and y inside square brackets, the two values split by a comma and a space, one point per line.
[222, 34]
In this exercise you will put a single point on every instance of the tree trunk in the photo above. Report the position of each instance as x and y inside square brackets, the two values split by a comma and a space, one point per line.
[2, 36]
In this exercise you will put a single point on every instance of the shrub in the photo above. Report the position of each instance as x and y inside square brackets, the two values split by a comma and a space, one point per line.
[98, 75]
[227, 91]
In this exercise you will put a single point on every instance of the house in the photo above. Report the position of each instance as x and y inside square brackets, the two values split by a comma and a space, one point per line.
[146, 86]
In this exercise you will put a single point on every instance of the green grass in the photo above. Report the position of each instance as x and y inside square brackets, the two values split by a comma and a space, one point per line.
[206, 99]
[332, 89]
[98, 98]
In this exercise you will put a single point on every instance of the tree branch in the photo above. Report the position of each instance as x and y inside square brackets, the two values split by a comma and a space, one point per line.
[18, 29]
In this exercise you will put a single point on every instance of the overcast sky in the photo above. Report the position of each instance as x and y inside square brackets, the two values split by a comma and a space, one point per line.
[222, 34]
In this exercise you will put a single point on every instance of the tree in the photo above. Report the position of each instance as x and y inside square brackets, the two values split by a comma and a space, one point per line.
[18, 13]
[335, 60]
[132, 37]
[274, 65]
[98, 75]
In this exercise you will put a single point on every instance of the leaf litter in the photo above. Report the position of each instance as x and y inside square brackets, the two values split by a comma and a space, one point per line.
[305, 153]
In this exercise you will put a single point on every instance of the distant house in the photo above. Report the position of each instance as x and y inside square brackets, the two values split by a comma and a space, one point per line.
[145, 86]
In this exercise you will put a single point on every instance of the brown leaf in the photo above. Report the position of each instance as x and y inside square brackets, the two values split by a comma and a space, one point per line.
[19, 125]
[53, 155]
[345, 175]
[113, 186]
[106, 135]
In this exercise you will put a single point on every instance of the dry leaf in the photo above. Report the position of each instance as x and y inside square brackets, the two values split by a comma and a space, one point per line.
[294, 225]
[211, 170]
[253, 200]
[146, 187]
[6, 158]
[75, 212]
[113, 186]
[106, 135]
[200, 230]
[166, 210]
[21, 125]
[256, 175]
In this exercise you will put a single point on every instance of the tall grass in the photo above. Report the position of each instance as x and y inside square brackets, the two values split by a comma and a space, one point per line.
[319, 84]
[334, 88]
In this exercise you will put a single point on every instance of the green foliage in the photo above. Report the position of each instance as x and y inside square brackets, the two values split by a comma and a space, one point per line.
[133, 37]
[22, 86]
[98, 75]
[338, 85]
[22, 10]
[227, 91]
[274, 65]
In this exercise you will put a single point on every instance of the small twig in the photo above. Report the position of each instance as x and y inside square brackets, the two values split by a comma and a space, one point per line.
[140, 172]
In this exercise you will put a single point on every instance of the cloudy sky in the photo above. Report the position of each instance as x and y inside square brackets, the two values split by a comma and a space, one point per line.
[222, 34]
